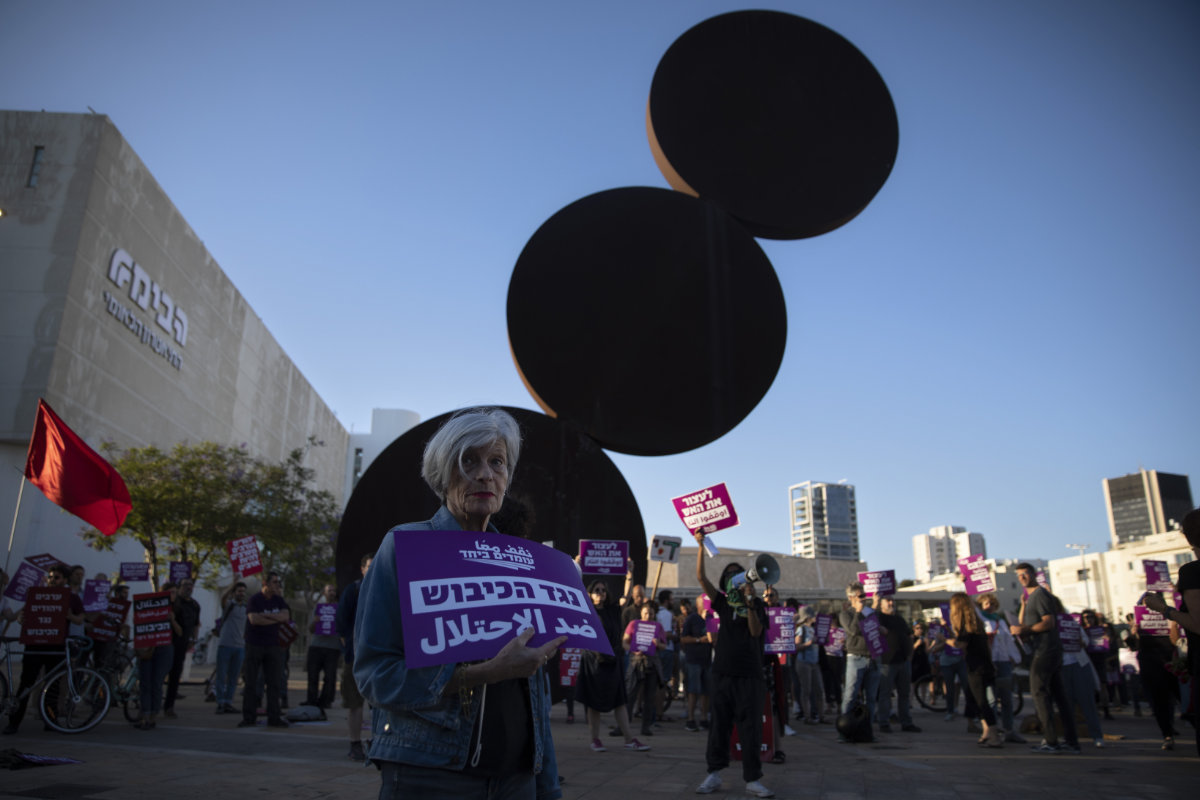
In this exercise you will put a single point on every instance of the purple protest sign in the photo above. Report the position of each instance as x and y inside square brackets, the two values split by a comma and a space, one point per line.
[180, 571]
[1069, 633]
[1150, 623]
[977, 574]
[464, 595]
[43, 561]
[95, 595]
[1158, 576]
[603, 556]
[878, 584]
[821, 629]
[836, 643]
[875, 635]
[135, 571]
[1042, 580]
[706, 511]
[325, 619]
[27, 576]
[642, 634]
[781, 630]
[1097, 639]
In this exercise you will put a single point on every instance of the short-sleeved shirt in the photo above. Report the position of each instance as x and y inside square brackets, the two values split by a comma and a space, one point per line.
[696, 652]
[666, 621]
[631, 632]
[1040, 604]
[233, 625]
[264, 635]
[738, 653]
[1189, 578]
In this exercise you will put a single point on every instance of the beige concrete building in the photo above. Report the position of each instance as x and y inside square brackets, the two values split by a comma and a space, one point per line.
[1115, 579]
[112, 310]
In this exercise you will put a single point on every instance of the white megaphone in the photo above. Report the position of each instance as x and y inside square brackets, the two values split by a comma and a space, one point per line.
[765, 569]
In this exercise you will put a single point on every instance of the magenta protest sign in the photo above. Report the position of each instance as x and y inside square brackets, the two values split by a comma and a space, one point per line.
[464, 595]
[1069, 633]
[152, 619]
[977, 574]
[45, 615]
[1158, 576]
[568, 665]
[135, 571]
[781, 630]
[243, 556]
[27, 576]
[1042, 580]
[603, 556]
[1097, 639]
[706, 511]
[875, 635]
[325, 619]
[824, 621]
[878, 584]
[95, 595]
[1150, 623]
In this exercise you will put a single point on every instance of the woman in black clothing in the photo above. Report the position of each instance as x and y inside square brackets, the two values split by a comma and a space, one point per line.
[1154, 652]
[970, 637]
[601, 682]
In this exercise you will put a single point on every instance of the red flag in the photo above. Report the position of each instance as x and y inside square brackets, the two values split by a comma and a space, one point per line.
[73, 475]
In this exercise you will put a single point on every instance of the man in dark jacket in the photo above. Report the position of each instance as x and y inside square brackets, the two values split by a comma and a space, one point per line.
[187, 614]
[895, 669]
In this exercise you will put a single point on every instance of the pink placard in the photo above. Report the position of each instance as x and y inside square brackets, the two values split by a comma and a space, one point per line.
[1150, 623]
[243, 556]
[1158, 576]
[706, 511]
[641, 636]
[837, 642]
[977, 574]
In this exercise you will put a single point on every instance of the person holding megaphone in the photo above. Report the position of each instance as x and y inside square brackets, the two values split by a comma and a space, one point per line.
[739, 689]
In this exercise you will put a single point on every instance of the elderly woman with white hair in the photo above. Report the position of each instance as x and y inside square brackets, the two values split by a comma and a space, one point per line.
[456, 730]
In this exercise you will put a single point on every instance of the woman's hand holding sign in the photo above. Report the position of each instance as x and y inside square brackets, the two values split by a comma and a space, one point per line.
[515, 660]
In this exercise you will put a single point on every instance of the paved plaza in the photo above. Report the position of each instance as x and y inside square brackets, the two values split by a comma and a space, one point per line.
[203, 755]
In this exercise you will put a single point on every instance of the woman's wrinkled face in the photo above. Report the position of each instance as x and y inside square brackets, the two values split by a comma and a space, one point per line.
[480, 492]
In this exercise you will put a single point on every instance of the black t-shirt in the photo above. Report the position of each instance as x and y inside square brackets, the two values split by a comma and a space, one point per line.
[264, 635]
[503, 735]
[899, 639]
[696, 652]
[1189, 578]
[738, 653]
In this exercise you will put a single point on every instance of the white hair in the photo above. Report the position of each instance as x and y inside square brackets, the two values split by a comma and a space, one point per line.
[466, 430]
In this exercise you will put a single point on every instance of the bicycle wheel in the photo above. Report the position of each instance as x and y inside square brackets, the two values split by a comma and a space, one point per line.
[929, 695]
[75, 701]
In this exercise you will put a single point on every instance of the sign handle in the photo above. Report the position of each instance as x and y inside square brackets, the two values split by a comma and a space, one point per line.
[657, 575]
[709, 547]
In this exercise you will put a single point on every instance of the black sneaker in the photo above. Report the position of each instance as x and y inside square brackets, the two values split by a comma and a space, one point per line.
[910, 728]
[356, 752]
[691, 725]
[278, 723]
[246, 723]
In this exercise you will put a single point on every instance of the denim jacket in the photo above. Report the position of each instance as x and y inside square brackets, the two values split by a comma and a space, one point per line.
[412, 722]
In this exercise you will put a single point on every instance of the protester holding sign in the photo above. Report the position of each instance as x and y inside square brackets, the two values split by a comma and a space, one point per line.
[601, 686]
[44, 641]
[1099, 642]
[1006, 657]
[643, 638]
[1153, 636]
[455, 730]
[862, 669]
[154, 630]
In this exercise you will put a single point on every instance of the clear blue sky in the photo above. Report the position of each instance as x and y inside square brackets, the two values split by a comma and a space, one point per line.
[1010, 321]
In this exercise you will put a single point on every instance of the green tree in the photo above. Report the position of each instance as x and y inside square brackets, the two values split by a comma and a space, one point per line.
[187, 503]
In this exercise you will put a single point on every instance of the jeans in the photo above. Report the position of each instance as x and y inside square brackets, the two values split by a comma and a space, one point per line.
[269, 661]
[229, 667]
[406, 781]
[862, 674]
[1003, 691]
[812, 689]
[955, 675]
[151, 673]
[899, 677]
[1046, 686]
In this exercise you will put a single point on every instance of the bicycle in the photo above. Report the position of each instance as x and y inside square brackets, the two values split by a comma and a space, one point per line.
[121, 672]
[73, 699]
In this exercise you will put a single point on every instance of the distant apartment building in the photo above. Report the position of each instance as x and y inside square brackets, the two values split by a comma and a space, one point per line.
[824, 520]
[937, 552]
[1145, 503]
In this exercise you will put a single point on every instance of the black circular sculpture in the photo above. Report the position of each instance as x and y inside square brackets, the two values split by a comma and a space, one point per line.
[779, 120]
[648, 318]
[565, 488]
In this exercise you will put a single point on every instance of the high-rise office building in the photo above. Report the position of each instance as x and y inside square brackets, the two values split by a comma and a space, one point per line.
[824, 520]
[1145, 503]
[937, 552]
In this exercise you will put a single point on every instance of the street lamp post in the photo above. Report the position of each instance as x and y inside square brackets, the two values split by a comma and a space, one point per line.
[1082, 548]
